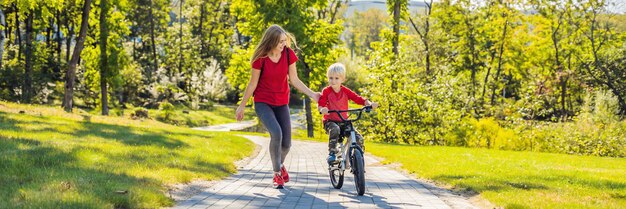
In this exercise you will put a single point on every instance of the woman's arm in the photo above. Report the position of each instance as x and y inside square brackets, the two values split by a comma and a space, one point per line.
[254, 80]
[296, 82]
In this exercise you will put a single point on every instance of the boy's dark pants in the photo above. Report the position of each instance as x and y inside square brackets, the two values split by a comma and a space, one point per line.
[334, 132]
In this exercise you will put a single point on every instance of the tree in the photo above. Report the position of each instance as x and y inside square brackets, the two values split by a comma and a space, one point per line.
[147, 22]
[561, 19]
[70, 74]
[27, 88]
[363, 29]
[398, 9]
[423, 34]
[604, 65]
[3, 22]
[104, 63]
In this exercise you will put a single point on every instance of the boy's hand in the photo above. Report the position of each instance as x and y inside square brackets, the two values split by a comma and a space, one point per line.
[374, 105]
[324, 110]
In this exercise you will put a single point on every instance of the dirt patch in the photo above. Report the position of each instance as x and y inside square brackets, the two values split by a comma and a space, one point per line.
[180, 192]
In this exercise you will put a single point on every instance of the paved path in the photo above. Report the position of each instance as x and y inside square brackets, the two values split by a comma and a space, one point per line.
[297, 122]
[229, 126]
[310, 187]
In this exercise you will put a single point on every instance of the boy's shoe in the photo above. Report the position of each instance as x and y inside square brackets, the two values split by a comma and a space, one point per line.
[331, 158]
[284, 174]
[278, 181]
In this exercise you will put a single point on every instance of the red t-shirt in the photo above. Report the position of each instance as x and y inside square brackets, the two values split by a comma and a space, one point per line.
[273, 87]
[338, 101]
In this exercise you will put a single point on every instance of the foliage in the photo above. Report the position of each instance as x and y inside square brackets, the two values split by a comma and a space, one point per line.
[363, 29]
[166, 111]
[497, 81]
[208, 85]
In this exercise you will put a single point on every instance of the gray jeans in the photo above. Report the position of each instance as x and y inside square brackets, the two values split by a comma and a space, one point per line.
[277, 121]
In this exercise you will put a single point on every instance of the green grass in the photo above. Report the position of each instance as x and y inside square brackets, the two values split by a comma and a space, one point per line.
[517, 179]
[52, 159]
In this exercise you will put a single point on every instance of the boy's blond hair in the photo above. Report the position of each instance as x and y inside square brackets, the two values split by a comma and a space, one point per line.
[337, 69]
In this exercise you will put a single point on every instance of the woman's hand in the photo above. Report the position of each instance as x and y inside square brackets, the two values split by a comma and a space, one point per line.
[316, 96]
[239, 112]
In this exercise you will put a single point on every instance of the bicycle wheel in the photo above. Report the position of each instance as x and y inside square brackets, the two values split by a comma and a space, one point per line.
[336, 177]
[358, 168]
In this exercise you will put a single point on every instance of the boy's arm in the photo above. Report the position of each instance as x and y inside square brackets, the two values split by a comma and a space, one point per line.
[355, 97]
[321, 103]
[359, 99]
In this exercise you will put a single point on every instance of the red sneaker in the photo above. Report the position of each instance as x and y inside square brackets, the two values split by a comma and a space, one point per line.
[284, 174]
[278, 181]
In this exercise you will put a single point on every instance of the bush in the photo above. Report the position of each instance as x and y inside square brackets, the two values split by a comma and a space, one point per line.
[166, 111]
[139, 112]
[117, 112]
[206, 105]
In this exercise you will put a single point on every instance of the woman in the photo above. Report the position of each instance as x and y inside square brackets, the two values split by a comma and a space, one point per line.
[273, 65]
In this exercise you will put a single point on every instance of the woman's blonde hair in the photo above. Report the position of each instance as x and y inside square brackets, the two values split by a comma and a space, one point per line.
[270, 39]
[337, 69]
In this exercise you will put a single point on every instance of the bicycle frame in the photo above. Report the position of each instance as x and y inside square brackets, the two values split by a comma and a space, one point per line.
[349, 151]
[348, 145]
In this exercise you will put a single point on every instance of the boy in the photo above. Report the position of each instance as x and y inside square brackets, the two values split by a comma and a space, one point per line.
[335, 97]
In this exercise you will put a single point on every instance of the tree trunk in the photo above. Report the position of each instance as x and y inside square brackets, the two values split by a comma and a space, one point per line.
[333, 13]
[57, 70]
[424, 35]
[2, 35]
[309, 117]
[203, 52]
[560, 72]
[50, 61]
[493, 90]
[8, 29]
[180, 31]
[104, 63]
[307, 101]
[153, 42]
[68, 37]
[49, 34]
[425, 40]
[18, 33]
[134, 48]
[396, 26]
[486, 81]
[70, 74]
[27, 88]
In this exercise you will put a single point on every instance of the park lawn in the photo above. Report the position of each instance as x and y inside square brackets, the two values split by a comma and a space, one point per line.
[53, 159]
[514, 179]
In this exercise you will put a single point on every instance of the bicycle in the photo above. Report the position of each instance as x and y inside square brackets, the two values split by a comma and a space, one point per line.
[351, 150]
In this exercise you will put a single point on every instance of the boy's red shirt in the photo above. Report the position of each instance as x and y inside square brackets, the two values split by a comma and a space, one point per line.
[338, 101]
[273, 87]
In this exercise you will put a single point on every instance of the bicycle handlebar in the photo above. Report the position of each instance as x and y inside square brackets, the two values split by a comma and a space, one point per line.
[359, 110]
